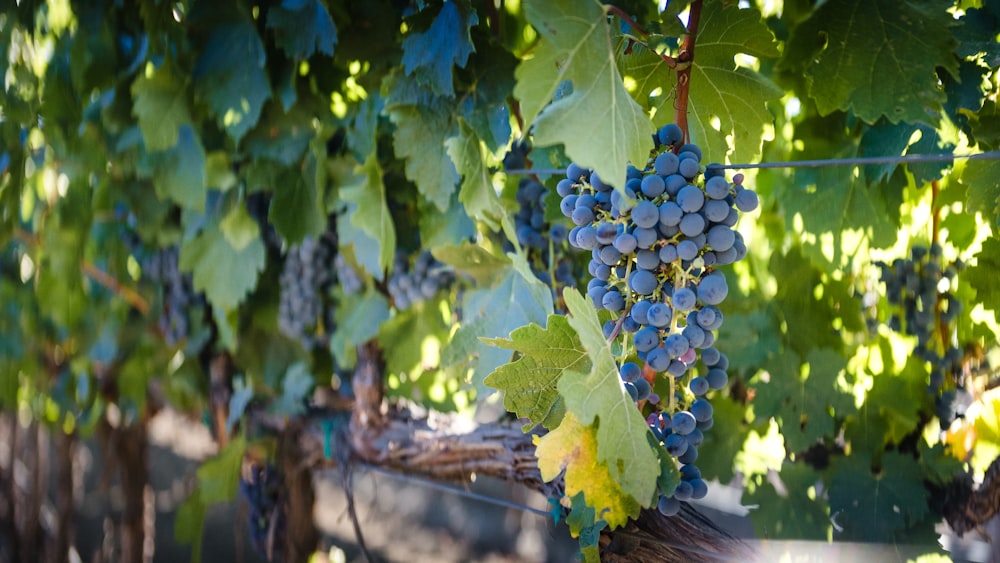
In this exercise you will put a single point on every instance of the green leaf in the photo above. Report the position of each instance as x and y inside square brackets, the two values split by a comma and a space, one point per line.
[517, 299]
[429, 55]
[295, 386]
[219, 477]
[423, 125]
[475, 261]
[736, 96]
[574, 447]
[358, 321]
[281, 135]
[179, 172]
[160, 106]
[303, 30]
[403, 336]
[478, 193]
[982, 180]
[297, 210]
[868, 43]
[598, 397]
[792, 515]
[239, 228]
[803, 414]
[529, 383]
[226, 274]
[874, 506]
[983, 276]
[230, 76]
[577, 46]
[369, 211]
[447, 228]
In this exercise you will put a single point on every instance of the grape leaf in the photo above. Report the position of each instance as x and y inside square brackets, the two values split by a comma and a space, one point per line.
[574, 447]
[983, 276]
[229, 75]
[475, 261]
[402, 337]
[874, 506]
[369, 211]
[423, 125]
[161, 107]
[802, 403]
[477, 193]
[281, 135]
[517, 299]
[225, 274]
[982, 180]
[792, 515]
[179, 172]
[544, 354]
[303, 29]
[297, 210]
[869, 44]
[239, 228]
[599, 397]
[295, 386]
[577, 46]
[358, 321]
[450, 227]
[430, 55]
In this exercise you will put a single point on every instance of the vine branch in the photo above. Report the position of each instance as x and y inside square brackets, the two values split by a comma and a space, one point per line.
[686, 55]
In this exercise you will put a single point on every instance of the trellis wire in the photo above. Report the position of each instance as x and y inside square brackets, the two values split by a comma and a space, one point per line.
[421, 481]
[818, 163]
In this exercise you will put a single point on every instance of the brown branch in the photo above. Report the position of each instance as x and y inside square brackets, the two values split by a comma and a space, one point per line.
[127, 293]
[686, 55]
[966, 509]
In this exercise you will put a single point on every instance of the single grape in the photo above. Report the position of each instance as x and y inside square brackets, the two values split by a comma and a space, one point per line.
[666, 164]
[692, 225]
[716, 210]
[565, 187]
[639, 310]
[613, 301]
[668, 506]
[652, 185]
[670, 134]
[582, 216]
[643, 282]
[676, 345]
[645, 214]
[701, 409]
[675, 444]
[691, 199]
[684, 299]
[647, 259]
[689, 168]
[684, 491]
[721, 238]
[699, 386]
[716, 377]
[630, 372]
[690, 456]
[659, 315]
[626, 243]
[687, 250]
[747, 201]
[575, 172]
[645, 238]
[646, 339]
[683, 422]
[713, 289]
[699, 489]
[670, 214]
[642, 389]
[658, 359]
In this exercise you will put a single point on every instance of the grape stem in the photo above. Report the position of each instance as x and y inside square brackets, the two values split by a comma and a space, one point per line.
[686, 55]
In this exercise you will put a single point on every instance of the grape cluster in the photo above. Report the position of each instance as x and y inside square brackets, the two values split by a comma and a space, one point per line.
[178, 295]
[261, 489]
[410, 285]
[305, 277]
[347, 276]
[921, 290]
[543, 241]
[656, 247]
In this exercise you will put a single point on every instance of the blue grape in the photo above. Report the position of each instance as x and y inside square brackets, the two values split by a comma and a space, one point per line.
[658, 359]
[717, 378]
[684, 491]
[694, 334]
[670, 214]
[647, 339]
[683, 422]
[692, 148]
[626, 243]
[645, 214]
[582, 216]
[613, 301]
[666, 164]
[668, 254]
[639, 310]
[692, 225]
[688, 168]
[677, 368]
[717, 188]
[659, 315]
[690, 456]
[699, 386]
[696, 437]
[747, 201]
[676, 345]
[691, 199]
[610, 255]
[713, 289]
[630, 372]
[645, 238]
[721, 238]
[684, 299]
[668, 506]
[675, 444]
[699, 489]
[568, 205]
[670, 134]
[632, 391]
[642, 389]
[717, 211]
[647, 259]
[652, 186]
[606, 233]
[575, 172]
[565, 187]
[643, 282]
[690, 472]
[701, 409]
[687, 250]
[674, 183]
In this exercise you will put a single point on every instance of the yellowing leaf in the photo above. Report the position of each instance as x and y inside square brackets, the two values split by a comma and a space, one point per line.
[599, 397]
[573, 446]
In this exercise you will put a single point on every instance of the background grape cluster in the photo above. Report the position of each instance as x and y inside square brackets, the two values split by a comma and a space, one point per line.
[306, 276]
[545, 243]
[655, 249]
[409, 285]
[178, 297]
[260, 487]
[920, 288]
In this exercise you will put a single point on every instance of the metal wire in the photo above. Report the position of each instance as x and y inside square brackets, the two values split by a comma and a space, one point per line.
[817, 163]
